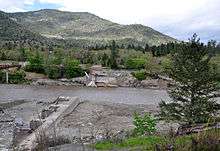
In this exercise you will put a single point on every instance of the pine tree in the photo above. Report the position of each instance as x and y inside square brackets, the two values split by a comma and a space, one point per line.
[3, 56]
[114, 55]
[146, 49]
[194, 84]
[105, 60]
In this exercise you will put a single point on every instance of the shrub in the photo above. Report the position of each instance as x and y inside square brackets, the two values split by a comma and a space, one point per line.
[72, 68]
[36, 63]
[166, 65]
[140, 75]
[14, 77]
[152, 66]
[144, 124]
[52, 68]
[135, 63]
[207, 141]
[45, 140]
[53, 72]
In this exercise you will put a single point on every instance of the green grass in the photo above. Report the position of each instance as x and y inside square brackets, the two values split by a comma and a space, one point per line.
[146, 143]
[130, 143]
[206, 141]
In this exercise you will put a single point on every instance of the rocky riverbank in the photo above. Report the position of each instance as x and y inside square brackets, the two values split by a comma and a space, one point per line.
[120, 78]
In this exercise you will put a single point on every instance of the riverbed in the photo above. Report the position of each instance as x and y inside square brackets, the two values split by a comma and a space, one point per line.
[116, 105]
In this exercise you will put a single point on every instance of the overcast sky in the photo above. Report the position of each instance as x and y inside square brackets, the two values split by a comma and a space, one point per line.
[177, 18]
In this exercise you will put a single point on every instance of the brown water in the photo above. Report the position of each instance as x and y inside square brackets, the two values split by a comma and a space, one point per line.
[115, 95]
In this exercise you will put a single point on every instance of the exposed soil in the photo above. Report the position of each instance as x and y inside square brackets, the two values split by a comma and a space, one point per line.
[95, 120]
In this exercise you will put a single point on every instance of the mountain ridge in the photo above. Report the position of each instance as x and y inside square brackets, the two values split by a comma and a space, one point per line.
[12, 31]
[76, 26]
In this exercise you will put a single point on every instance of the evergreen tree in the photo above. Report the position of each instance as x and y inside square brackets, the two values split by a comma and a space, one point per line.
[146, 49]
[212, 46]
[153, 50]
[23, 54]
[3, 56]
[105, 60]
[114, 55]
[194, 84]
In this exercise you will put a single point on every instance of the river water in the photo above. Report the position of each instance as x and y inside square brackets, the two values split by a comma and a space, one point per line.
[115, 95]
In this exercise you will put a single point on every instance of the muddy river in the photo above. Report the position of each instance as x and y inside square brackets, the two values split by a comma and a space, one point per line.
[115, 95]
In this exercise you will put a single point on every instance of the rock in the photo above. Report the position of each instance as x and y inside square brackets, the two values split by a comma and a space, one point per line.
[99, 138]
[170, 147]
[61, 99]
[164, 128]
[106, 81]
[53, 108]
[120, 135]
[1, 110]
[91, 84]
[128, 82]
[46, 82]
[39, 102]
[19, 122]
[34, 124]
[45, 113]
[19, 133]
[65, 80]
[79, 80]
[152, 83]
[5, 117]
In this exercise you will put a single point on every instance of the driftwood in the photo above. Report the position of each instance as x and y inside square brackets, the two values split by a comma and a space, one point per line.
[7, 66]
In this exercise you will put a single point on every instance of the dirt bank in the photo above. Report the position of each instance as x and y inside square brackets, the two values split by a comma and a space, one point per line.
[121, 78]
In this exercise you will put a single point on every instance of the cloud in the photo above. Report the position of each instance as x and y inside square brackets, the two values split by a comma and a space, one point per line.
[204, 21]
[11, 6]
[178, 18]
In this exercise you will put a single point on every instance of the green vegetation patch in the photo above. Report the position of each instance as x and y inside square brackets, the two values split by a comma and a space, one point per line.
[14, 77]
[135, 63]
[206, 141]
[140, 75]
[149, 141]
